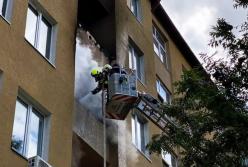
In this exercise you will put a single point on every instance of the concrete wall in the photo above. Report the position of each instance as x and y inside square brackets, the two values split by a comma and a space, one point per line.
[52, 87]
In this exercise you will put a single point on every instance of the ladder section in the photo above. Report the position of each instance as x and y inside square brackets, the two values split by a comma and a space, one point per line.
[151, 108]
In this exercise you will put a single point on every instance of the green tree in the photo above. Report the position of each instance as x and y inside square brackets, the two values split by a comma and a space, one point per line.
[211, 108]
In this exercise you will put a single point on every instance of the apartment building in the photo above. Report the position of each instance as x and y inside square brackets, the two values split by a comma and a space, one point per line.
[36, 81]
[46, 108]
[137, 34]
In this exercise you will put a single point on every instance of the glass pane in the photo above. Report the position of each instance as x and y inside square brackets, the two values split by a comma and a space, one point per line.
[160, 41]
[162, 93]
[167, 158]
[162, 53]
[135, 7]
[134, 61]
[132, 5]
[133, 132]
[1, 7]
[136, 12]
[142, 137]
[19, 127]
[138, 135]
[141, 67]
[159, 38]
[155, 46]
[35, 130]
[138, 66]
[158, 86]
[44, 37]
[31, 25]
[130, 58]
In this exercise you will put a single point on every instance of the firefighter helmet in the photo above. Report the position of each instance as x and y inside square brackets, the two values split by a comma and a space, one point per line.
[95, 72]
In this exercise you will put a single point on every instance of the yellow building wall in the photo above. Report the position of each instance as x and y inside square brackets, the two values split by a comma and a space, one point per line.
[128, 27]
[52, 87]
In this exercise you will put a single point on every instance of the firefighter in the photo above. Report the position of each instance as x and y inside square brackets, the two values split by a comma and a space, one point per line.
[101, 76]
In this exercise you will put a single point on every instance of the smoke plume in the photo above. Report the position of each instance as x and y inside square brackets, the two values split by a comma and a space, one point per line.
[84, 83]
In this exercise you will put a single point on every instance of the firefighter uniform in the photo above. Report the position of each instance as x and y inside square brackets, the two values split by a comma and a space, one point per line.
[101, 76]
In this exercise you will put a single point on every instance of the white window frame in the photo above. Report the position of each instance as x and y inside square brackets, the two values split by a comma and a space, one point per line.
[161, 46]
[43, 147]
[1, 81]
[34, 5]
[135, 7]
[140, 138]
[160, 85]
[30, 109]
[136, 62]
[7, 8]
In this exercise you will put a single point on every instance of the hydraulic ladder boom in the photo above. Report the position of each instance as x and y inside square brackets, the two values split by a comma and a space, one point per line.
[151, 108]
[123, 96]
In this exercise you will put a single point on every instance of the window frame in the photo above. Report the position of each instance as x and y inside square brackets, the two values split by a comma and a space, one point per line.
[42, 131]
[135, 8]
[160, 97]
[46, 19]
[137, 61]
[6, 10]
[1, 81]
[144, 134]
[161, 46]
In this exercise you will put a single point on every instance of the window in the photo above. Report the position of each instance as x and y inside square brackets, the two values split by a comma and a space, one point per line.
[163, 93]
[168, 159]
[136, 62]
[140, 133]
[159, 46]
[40, 32]
[1, 81]
[6, 9]
[134, 6]
[28, 128]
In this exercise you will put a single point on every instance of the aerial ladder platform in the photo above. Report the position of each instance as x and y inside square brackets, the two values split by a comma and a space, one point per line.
[124, 96]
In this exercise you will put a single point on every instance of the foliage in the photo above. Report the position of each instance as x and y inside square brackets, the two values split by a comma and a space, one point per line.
[210, 108]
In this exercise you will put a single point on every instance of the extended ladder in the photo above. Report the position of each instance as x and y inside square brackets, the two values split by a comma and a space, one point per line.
[151, 108]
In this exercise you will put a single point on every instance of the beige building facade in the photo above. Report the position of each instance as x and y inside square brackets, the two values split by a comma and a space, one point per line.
[37, 81]
[137, 34]
[47, 51]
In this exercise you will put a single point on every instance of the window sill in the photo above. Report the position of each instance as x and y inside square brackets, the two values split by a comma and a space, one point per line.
[40, 53]
[4, 19]
[143, 154]
[20, 155]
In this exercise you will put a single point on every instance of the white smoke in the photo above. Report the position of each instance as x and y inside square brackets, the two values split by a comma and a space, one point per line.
[84, 82]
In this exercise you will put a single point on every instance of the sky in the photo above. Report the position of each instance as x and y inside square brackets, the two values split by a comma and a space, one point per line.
[194, 19]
